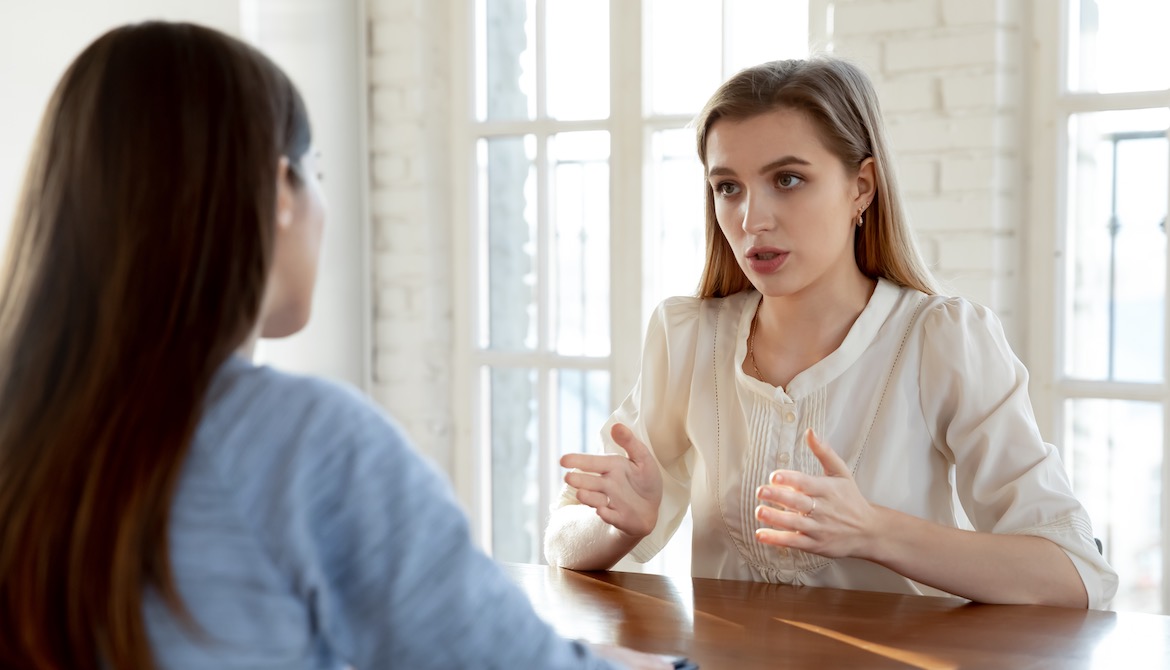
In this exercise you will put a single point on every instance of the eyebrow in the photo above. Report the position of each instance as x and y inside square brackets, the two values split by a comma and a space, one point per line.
[719, 170]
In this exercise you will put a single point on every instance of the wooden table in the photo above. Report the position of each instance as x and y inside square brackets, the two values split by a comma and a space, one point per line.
[743, 625]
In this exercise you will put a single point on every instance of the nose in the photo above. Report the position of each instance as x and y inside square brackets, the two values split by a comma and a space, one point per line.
[758, 217]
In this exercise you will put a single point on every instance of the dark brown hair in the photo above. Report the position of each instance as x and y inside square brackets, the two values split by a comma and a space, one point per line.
[137, 263]
[839, 99]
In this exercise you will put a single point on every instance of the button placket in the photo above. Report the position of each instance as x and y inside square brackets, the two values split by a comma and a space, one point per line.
[788, 417]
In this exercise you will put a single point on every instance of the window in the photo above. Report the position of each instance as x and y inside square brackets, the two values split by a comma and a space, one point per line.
[1100, 271]
[585, 210]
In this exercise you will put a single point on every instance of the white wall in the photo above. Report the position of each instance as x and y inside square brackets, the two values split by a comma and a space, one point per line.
[39, 39]
[410, 79]
[319, 43]
[949, 74]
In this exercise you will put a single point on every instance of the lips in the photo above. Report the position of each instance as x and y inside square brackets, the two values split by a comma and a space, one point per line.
[766, 260]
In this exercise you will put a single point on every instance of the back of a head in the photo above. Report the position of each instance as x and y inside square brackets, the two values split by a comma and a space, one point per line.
[840, 100]
[137, 263]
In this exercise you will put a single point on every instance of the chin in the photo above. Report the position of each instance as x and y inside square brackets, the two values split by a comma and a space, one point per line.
[285, 324]
[775, 287]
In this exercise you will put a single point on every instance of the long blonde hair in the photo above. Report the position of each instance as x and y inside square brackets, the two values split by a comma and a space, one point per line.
[840, 100]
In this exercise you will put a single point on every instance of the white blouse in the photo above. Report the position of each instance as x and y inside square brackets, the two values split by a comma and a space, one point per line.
[924, 399]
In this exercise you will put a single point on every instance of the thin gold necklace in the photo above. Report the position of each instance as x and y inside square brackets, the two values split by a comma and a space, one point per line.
[752, 340]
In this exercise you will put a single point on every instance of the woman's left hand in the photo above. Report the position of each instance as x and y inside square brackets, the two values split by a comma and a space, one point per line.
[825, 515]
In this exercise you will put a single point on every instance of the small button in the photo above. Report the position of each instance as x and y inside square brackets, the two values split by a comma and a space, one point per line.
[789, 417]
[783, 551]
[784, 458]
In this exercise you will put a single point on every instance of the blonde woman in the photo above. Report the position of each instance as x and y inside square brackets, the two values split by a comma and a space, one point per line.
[828, 417]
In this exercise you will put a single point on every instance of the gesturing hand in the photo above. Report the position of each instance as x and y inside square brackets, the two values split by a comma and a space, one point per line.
[821, 515]
[625, 490]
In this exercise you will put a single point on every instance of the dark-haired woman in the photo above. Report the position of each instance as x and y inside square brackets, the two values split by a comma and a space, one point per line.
[163, 501]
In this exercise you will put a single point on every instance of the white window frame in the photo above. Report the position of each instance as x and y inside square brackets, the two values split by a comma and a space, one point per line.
[1052, 107]
[473, 456]
[631, 125]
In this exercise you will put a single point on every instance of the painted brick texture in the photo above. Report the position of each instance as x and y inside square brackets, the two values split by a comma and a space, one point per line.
[408, 67]
[949, 76]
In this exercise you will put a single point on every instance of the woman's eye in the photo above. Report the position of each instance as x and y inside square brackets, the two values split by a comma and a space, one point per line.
[726, 188]
[788, 181]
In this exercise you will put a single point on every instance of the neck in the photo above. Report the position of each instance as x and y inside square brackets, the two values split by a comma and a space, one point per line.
[817, 310]
[247, 348]
[793, 332]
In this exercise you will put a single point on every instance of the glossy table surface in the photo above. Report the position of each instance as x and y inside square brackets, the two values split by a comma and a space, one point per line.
[742, 625]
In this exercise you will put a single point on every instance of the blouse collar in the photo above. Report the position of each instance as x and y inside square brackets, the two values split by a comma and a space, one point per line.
[861, 334]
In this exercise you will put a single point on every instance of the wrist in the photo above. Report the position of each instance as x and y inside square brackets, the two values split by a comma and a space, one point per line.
[879, 540]
[632, 538]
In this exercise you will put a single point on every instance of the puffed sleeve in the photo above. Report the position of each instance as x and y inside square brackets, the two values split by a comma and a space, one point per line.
[974, 395]
[656, 410]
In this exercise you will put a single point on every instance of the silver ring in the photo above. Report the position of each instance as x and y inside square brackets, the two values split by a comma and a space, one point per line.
[813, 508]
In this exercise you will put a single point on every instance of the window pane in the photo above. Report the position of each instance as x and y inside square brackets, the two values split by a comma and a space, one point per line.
[1114, 45]
[579, 269]
[677, 238]
[685, 53]
[577, 73]
[765, 30]
[582, 408]
[1115, 453]
[506, 62]
[507, 215]
[1116, 239]
[513, 434]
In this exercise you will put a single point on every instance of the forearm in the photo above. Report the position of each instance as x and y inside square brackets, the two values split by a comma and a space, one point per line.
[576, 538]
[984, 567]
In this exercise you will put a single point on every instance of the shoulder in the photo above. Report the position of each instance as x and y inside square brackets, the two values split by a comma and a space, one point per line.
[256, 416]
[960, 320]
[961, 338]
[274, 399]
[678, 310]
[686, 312]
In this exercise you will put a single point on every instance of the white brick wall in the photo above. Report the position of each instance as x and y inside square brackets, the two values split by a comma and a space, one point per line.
[892, 16]
[409, 73]
[949, 76]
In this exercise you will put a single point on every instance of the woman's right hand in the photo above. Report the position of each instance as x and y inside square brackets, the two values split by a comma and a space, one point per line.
[625, 490]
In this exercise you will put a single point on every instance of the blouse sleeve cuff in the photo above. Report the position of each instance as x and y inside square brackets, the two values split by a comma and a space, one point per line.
[1099, 579]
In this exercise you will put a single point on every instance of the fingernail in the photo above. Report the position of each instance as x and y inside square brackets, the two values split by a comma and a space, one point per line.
[777, 478]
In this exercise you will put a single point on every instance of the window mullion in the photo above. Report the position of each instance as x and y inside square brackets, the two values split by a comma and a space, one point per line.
[541, 66]
[1044, 353]
[627, 208]
[1165, 499]
[544, 340]
[470, 458]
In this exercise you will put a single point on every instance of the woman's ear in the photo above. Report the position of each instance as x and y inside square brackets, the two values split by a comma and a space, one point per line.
[866, 182]
[285, 200]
